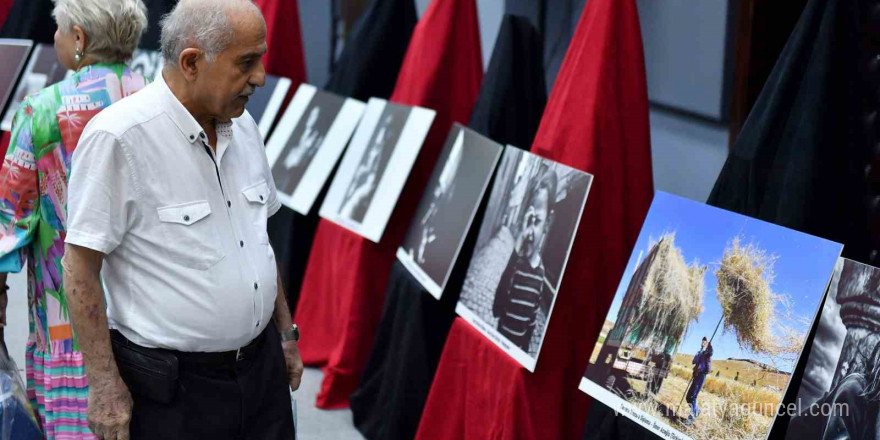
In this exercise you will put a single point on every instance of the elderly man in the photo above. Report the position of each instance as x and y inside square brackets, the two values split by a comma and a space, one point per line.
[170, 192]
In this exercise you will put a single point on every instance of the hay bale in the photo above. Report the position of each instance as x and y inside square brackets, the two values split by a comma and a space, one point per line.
[747, 301]
[672, 297]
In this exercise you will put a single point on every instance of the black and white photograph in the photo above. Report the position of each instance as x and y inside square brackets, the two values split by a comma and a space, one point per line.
[447, 209]
[308, 142]
[265, 103]
[42, 70]
[363, 194]
[522, 250]
[838, 397]
[14, 54]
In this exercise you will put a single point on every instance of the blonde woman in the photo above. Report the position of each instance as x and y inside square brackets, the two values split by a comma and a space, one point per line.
[94, 39]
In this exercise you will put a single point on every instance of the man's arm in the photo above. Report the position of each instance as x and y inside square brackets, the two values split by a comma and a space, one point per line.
[109, 407]
[284, 321]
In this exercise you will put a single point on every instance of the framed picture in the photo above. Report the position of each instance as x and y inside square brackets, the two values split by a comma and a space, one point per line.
[708, 322]
[14, 54]
[447, 209]
[837, 397]
[265, 103]
[365, 190]
[43, 69]
[308, 142]
[521, 252]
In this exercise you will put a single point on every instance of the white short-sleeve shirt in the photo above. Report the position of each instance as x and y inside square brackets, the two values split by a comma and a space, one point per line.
[188, 265]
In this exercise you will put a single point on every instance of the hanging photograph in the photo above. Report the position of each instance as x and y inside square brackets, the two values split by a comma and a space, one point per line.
[264, 104]
[521, 252]
[839, 394]
[375, 167]
[308, 142]
[444, 216]
[42, 70]
[14, 54]
[708, 322]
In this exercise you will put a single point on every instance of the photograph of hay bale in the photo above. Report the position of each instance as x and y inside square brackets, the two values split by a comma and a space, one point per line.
[522, 249]
[839, 396]
[708, 322]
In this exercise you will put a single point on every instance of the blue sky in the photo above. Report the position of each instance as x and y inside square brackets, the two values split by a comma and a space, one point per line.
[803, 267]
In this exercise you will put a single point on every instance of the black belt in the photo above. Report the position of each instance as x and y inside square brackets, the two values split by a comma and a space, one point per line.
[247, 352]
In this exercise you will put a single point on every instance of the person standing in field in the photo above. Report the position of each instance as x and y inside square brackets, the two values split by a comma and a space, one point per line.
[702, 367]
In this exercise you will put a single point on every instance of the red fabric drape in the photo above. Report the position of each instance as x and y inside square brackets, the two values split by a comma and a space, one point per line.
[5, 6]
[596, 120]
[343, 290]
[283, 40]
[5, 137]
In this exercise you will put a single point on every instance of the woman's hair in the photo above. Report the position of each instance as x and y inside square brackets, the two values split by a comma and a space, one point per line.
[113, 27]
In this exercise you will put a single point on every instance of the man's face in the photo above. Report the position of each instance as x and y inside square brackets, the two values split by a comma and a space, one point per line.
[535, 224]
[224, 85]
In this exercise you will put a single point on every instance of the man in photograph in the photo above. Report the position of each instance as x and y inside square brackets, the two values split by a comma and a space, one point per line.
[702, 366]
[524, 288]
[169, 196]
[301, 153]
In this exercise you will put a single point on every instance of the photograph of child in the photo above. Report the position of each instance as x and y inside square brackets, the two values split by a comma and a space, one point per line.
[521, 252]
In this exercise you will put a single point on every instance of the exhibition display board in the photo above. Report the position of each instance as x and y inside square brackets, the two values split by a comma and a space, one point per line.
[343, 290]
[392, 392]
[367, 68]
[479, 392]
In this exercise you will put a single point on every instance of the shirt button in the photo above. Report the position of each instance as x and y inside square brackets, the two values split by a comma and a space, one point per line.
[241, 243]
[229, 203]
[258, 324]
[261, 198]
[191, 137]
[186, 218]
[256, 286]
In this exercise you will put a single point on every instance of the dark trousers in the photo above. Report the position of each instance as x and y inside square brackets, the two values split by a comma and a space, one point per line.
[694, 391]
[223, 400]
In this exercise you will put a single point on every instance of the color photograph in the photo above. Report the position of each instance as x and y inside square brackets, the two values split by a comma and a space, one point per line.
[708, 322]
[522, 249]
[447, 209]
[363, 194]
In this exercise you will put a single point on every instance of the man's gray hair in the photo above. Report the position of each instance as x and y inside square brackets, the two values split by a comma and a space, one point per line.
[113, 27]
[203, 24]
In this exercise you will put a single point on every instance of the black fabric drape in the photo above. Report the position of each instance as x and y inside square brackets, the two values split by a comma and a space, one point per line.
[800, 160]
[156, 9]
[367, 67]
[392, 394]
[30, 19]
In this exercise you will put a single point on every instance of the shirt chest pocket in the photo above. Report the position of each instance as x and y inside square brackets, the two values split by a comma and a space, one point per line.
[191, 238]
[256, 197]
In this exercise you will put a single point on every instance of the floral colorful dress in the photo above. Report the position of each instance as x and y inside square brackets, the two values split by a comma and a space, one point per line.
[33, 208]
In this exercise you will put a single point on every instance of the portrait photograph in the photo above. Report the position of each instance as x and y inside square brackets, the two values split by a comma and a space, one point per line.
[521, 252]
[447, 209]
[364, 191]
[308, 142]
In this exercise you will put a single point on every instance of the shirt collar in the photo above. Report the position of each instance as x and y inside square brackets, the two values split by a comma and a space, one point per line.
[184, 120]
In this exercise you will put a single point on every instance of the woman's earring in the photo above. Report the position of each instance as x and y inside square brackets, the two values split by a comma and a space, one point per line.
[77, 55]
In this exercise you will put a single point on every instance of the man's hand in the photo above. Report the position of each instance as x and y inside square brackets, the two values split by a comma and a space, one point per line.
[294, 364]
[109, 412]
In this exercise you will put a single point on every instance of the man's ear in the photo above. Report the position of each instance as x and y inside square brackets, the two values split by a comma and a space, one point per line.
[188, 63]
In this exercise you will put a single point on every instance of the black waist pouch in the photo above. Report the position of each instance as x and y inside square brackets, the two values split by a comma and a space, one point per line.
[148, 372]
